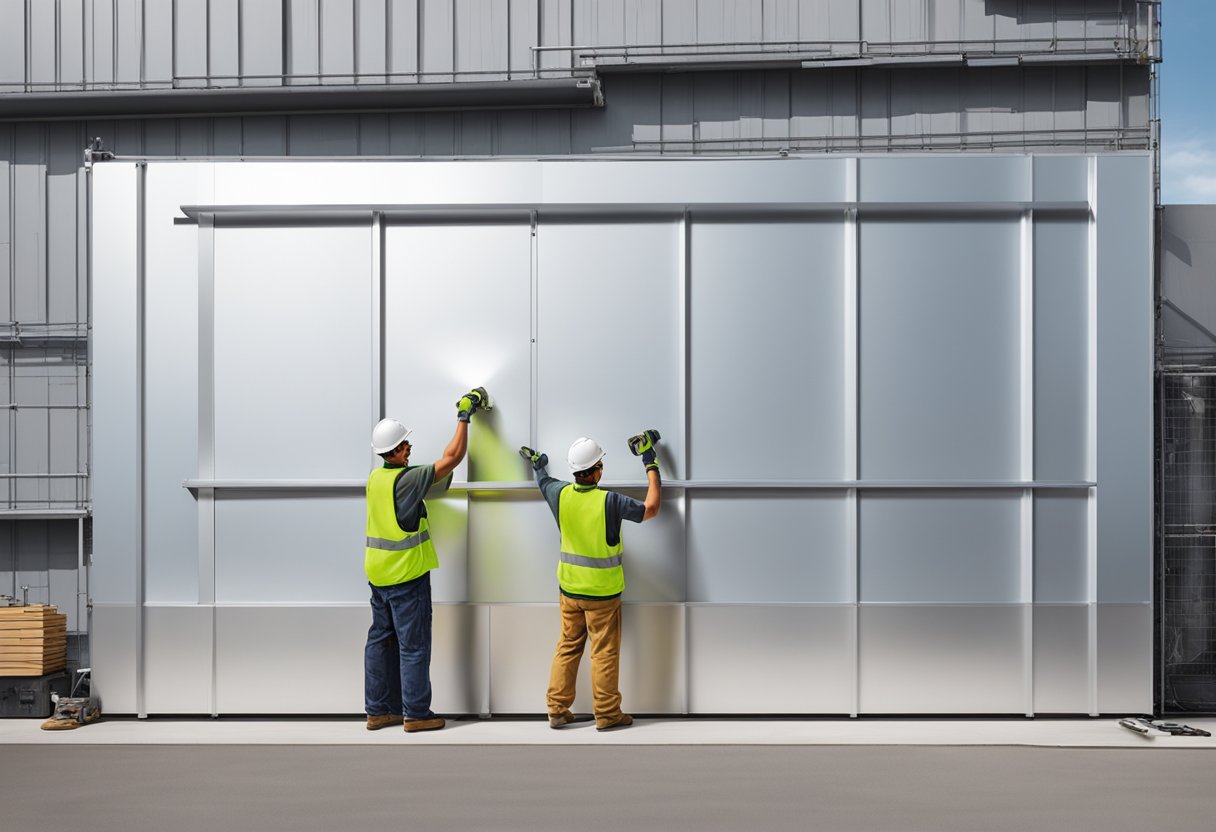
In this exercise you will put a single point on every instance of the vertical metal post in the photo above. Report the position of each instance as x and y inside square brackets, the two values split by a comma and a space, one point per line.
[1092, 443]
[141, 413]
[850, 315]
[206, 428]
[684, 254]
[1026, 464]
[535, 358]
[377, 320]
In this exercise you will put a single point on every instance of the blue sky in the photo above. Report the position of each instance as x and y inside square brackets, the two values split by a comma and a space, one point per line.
[1188, 101]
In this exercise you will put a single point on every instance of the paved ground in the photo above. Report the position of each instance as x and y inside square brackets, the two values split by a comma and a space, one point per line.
[587, 788]
[1075, 733]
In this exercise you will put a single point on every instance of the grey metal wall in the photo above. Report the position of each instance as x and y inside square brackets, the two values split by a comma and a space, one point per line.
[91, 44]
[941, 524]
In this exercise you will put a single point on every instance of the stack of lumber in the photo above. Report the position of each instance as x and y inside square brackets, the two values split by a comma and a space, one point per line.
[33, 640]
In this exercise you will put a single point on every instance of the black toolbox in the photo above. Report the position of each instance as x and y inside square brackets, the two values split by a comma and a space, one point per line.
[30, 696]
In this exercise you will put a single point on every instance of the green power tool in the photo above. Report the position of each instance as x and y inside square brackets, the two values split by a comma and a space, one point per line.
[643, 442]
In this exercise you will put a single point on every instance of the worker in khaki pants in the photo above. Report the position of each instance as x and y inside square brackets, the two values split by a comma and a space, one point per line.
[590, 576]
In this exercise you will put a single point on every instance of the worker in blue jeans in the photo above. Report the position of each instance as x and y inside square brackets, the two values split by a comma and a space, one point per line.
[398, 562]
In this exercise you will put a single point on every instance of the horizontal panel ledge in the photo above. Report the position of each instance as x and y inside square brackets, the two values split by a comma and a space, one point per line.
[521, 212]
[335, 98]
[828, 485]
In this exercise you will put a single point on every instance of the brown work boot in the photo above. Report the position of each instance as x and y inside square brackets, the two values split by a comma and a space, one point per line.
[430, 723]
[560, 720]
[622, 721]
[377, 721]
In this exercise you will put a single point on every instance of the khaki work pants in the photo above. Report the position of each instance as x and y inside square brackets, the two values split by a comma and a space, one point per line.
[601, 622]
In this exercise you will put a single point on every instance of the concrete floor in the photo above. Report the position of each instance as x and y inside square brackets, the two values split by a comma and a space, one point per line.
[663, 774]
[1043, 732]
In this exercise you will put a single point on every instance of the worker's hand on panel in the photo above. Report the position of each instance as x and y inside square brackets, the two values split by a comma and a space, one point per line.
[471, 402]
[539, 461]
[643, 445]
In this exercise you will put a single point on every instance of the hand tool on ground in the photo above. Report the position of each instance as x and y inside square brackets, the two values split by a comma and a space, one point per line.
[1155, 729]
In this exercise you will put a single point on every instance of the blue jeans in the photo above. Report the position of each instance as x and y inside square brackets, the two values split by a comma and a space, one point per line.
[397, 659]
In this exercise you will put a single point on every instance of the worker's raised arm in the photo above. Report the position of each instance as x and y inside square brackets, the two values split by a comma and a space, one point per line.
[654, 494]
[455, 451]
[644, 446]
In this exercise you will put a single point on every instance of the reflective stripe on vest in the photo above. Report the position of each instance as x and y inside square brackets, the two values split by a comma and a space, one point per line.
[587, 565]
[591, 563]
[394, 555]
[398, 545]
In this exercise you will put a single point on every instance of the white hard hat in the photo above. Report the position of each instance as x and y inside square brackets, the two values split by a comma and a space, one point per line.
[583, 454]
[388, 434]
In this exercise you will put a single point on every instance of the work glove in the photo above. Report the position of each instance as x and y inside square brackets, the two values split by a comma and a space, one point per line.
[469, 403]
[645, 448]
[539, 461]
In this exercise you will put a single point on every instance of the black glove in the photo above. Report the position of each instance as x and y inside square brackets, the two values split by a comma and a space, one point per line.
[539, 461]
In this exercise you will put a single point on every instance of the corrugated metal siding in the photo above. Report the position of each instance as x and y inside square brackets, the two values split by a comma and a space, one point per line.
[75, 43]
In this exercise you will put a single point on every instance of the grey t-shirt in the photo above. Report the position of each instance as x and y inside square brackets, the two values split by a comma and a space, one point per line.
[617, 507]
[417, 483]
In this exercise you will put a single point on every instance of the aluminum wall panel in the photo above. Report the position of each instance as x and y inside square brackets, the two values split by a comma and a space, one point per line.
[289, 548]
[171, 393]
[1125, 378]
[372, 34]
[1061, 547]
[115, 472]
[158, 40]
[806, 561]
[1061, 659]
[523, 640]
[112, 655]
[437, 39]
[579, 362]
[62, 279]
[1125, 658]
[178, 660]
[928, 179]
[939, 348]
[41, 38]
[449, 519]
[460, 659]
[939, 660]
[301, 19]
[292, 318]
[524, 637]
[940, 547]
[403, 35]
[1061, 179]
[513, 548]
[261, 42]
[315, 652]
[1062, 357]
[769, 659]
[783, 278]
[224, 38]
[338, 46]
[12, 46]
[481, 28]
[443, 267]
[190, 53]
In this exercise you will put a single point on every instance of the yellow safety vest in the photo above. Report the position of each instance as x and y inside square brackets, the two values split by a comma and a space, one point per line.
[588, 565]
[393, 554]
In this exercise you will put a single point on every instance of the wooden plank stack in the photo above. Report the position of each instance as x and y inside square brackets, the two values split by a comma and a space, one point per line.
[33, 640]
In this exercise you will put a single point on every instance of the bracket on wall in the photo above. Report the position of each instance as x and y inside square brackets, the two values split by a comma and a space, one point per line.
[95, 152]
